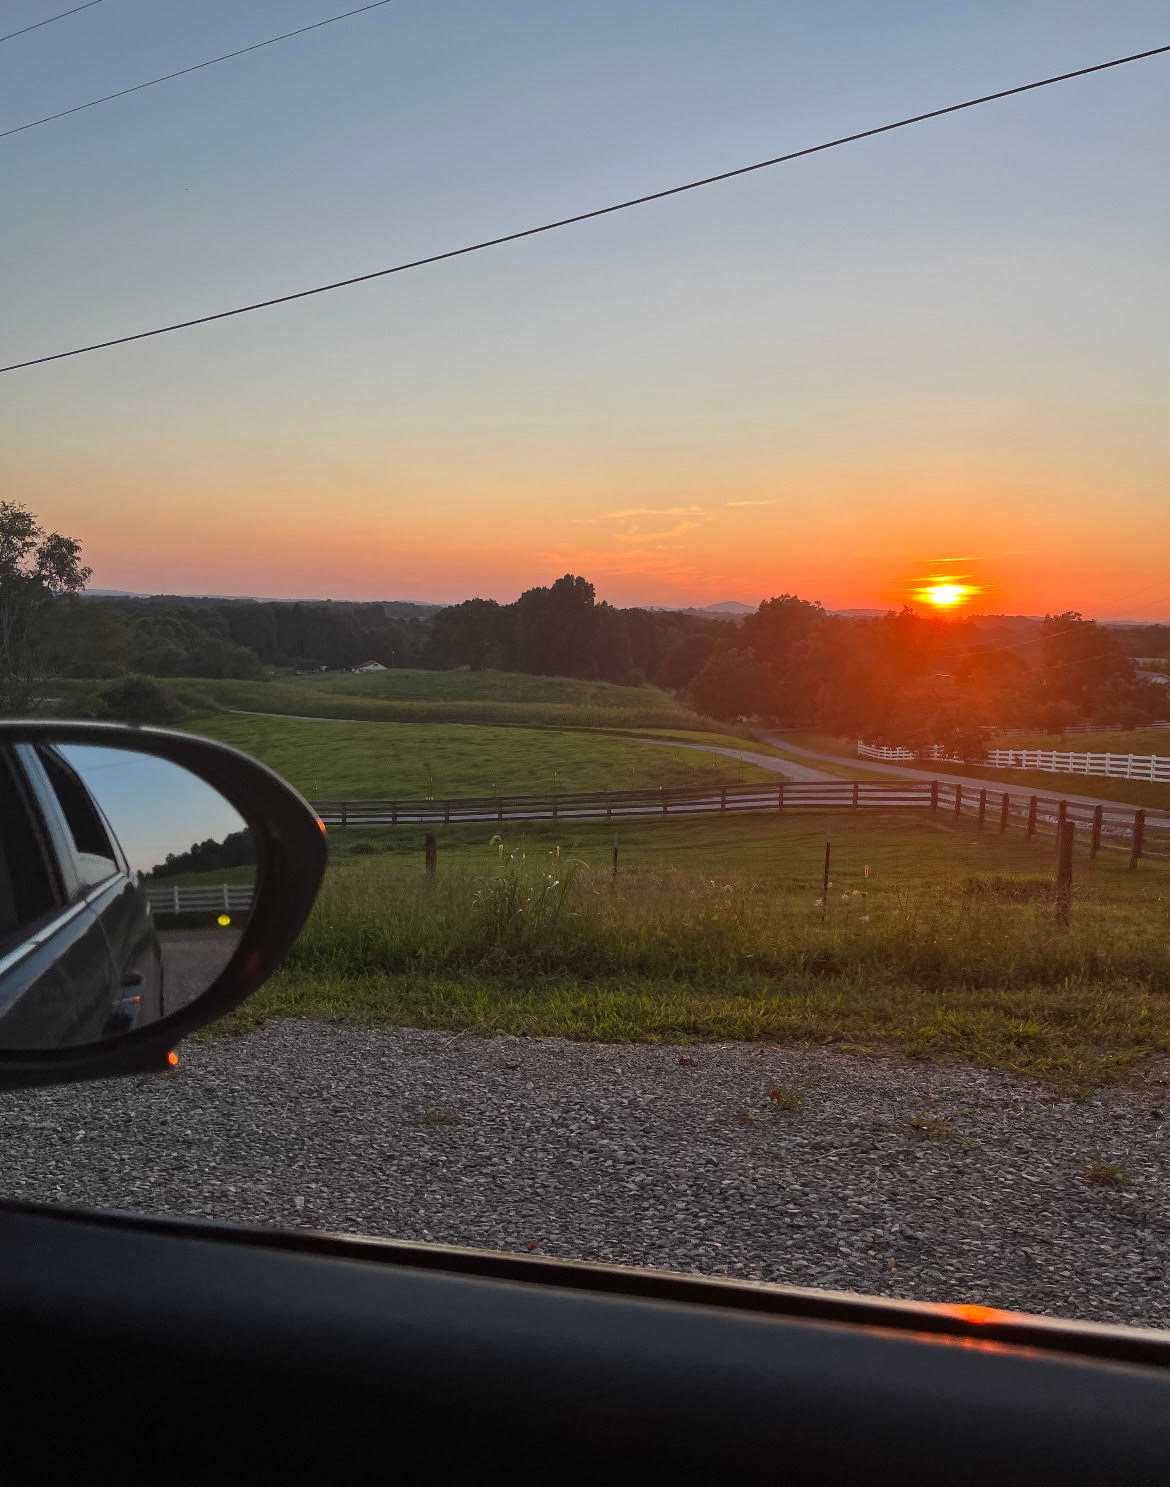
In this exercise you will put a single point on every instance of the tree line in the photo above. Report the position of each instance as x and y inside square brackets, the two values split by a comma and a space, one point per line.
[902, 677]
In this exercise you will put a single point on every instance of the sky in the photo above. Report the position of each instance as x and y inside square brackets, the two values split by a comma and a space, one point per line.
[942, 351]
[155, 807]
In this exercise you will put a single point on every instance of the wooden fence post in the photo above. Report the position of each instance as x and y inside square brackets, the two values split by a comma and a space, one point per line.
[1031, 830]
[1064, 871]
[1095, 839]
[499, 808]
[982, 808]
[615, 854]
[780, 796]
[393, 813]
[723, 799]
[344, 805]
[431, 853]
[825, 881]
[856, 798]
[1139, 838]
[958, 801]
[665, 802]
[1061, 818]
[1005, 806]
[934, 795]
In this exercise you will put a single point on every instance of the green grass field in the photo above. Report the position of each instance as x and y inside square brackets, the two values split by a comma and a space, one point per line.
[387, 760]
[947, 948]
[1136, 741]
[502, 698]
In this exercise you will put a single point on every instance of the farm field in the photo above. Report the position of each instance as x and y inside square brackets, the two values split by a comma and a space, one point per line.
[447, 697]
[947, 949]
[1133, 741]
[385, 760]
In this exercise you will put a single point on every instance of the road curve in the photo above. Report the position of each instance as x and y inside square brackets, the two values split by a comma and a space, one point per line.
[783, 767]
[946, 777]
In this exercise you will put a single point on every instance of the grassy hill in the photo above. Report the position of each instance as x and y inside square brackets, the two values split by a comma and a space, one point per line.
[384, 760]
[449, 697]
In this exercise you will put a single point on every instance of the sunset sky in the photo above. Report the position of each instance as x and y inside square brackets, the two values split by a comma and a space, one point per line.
[944, 351]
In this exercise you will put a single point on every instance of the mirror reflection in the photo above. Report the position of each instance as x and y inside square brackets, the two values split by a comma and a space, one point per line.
[125, 884]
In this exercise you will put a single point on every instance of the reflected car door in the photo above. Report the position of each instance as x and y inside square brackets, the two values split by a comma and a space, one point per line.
[113, 894]
[55, 982]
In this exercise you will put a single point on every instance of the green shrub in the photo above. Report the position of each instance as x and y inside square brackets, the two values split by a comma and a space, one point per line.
[138, 699]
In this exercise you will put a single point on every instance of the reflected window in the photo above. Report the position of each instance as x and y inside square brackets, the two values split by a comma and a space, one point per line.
[97, 859]
[26, 892]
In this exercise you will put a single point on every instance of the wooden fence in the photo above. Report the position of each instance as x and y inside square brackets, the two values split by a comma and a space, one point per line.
[612, 804]
[1137, 832]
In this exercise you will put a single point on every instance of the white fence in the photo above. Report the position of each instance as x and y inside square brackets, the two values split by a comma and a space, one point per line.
[1112, 766]
[204, 898]
[903, 756]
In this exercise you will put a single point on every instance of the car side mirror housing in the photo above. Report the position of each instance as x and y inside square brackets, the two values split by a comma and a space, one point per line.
[150, 881]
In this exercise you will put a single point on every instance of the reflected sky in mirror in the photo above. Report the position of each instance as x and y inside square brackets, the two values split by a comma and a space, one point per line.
[155, 807]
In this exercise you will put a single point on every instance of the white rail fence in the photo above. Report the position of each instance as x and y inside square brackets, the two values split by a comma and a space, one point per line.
[1153, 767]
[1109, 766]
[203, 898]
[904, 756]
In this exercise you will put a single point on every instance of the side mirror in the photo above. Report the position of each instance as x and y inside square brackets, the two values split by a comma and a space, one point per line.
[149, 882]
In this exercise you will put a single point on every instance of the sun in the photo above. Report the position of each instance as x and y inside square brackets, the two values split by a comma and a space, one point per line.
[945, 592]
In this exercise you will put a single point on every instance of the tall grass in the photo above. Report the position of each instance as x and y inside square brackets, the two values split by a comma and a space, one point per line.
[532, 915]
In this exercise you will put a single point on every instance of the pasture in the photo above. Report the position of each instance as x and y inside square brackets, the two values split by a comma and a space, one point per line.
[718, 929]
[357, 759]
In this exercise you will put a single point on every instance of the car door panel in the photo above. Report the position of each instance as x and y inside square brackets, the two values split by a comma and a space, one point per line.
[288, 1361]
[58, 989]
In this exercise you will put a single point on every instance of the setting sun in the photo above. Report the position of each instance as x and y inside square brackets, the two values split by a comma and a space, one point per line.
[945, 593]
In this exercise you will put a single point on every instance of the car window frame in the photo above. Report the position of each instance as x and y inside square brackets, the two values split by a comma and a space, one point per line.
[32, 930]
[75, 884]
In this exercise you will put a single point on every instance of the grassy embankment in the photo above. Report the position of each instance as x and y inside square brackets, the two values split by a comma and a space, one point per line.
[947, 949]
[1049, 782]
[348, 759]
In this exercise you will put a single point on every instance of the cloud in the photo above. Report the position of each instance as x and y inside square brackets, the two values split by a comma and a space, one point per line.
[634, 535]
[751, 503]
[631, 511]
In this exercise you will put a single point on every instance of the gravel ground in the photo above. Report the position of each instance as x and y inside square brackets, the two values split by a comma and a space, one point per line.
[890, 1177]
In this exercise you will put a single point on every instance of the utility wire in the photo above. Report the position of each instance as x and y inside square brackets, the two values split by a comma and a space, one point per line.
[183, 71]
[620, 206]
[48, 21]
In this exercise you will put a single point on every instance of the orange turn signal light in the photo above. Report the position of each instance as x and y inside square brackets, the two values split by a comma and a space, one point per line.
[321, 827]
[172, 1059]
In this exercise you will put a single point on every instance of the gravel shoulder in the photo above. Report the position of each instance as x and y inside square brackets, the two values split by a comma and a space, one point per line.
[889, 1177]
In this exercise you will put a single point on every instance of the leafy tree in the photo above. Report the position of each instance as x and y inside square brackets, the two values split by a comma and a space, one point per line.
[37, 568]
[732, 685]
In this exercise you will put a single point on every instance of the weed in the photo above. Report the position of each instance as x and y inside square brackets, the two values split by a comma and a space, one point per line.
[928, 1128]
[1105, 1174]
[438, 1118]
[786, 1097]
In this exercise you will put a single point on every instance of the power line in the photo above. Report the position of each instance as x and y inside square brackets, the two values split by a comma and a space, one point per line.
[619, 206]
[183, 71]
[48, 21]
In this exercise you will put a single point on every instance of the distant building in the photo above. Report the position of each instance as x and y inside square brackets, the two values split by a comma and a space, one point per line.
[371, 666]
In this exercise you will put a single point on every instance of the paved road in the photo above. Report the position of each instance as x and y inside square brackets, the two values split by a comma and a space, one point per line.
[783, 767]
[192, 959]
[903, 771]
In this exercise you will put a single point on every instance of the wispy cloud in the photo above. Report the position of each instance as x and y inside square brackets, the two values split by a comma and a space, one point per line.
[751, 503]
[635, 535]
[632, 511]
